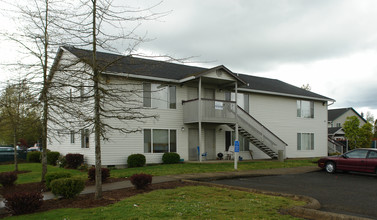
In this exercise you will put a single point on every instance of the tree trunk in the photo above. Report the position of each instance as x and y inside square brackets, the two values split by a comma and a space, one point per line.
[44, 95]
[97, 119]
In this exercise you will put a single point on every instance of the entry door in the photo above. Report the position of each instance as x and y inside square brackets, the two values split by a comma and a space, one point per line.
[210, 144]
[193, 143]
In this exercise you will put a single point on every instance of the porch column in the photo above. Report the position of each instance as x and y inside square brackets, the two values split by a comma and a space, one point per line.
[200, 118]
[236, 130]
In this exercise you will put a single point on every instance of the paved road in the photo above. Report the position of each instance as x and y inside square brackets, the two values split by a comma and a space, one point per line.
[346, 193]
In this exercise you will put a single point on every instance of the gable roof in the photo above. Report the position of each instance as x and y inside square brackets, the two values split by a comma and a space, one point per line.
[166, 70]
[277, 87]
[333, 114]
[335, 130]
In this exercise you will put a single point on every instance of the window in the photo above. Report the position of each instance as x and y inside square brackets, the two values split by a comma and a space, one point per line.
[160, 140]
[244, 142]
[305, 109]
[305, 141]
[338, 125]
[357, 154]
[242, 99]
[85, 138]
[72, 134]
[372, 154]
[159, 96]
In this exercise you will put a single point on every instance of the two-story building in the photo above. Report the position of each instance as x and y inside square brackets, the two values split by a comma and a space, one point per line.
[199, 110]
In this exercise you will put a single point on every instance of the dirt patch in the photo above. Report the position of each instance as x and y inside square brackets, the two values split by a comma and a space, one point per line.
[88, 200]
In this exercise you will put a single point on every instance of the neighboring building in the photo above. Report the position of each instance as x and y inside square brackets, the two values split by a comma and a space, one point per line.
[197, 107]
[336, 119]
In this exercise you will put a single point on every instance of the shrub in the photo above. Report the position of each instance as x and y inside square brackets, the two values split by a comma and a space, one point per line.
[136, 160]
[62, 162]
[34, 157]
[8, 178]
[105, 174]
[141, 181]
[67, 187]
[23, 202]
[169, 158]
[54, 176]
[52, 157]
[74, 160]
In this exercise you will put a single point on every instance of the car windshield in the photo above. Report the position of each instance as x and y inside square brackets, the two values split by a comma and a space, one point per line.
[357, 154]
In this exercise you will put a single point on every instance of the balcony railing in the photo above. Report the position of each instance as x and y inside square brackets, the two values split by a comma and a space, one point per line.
[212, 111]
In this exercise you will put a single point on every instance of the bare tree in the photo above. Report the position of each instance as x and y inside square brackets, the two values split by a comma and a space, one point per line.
[106, 102]
[38, 36]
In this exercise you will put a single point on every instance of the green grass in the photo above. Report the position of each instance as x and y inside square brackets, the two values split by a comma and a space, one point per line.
[36, 172]
[193, 202]
[156, 170]
[174, 169]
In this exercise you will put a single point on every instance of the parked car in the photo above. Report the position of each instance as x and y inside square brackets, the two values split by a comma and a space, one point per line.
[360, 160]
[35, 148]
[7, 154]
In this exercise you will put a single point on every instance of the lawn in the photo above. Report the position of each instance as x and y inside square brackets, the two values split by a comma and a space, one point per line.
[36, 172]
[184, 168]
[192, 202]
[156, 170]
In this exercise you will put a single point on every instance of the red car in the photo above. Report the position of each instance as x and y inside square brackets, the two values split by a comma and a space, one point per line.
[360, 160]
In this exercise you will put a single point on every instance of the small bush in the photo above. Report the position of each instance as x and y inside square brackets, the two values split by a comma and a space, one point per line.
[54, 176]
[74, 160]
[67, 187]
[136, 160]
[62, 162]
[34, 157]
[141, 181]
[170, 158]
[8, 178]
[105, 174]
[23, 202]
[52, 157]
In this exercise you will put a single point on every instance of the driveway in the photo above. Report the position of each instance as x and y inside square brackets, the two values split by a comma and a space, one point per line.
[345, 193]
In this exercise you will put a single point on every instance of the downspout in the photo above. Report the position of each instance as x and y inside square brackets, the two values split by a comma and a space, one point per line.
[200, 118]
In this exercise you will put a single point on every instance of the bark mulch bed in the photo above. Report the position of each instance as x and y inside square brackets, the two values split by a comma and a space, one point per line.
[88, 200]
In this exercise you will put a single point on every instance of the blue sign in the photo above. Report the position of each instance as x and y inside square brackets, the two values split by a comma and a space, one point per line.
[236, 146]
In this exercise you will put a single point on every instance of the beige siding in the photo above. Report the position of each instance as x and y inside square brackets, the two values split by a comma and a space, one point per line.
[343, 118]
[279, 114]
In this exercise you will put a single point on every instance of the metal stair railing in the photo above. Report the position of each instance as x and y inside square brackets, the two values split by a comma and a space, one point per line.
[259, 135]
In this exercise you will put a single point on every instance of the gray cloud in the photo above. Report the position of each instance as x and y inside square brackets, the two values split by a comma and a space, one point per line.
[259, 35]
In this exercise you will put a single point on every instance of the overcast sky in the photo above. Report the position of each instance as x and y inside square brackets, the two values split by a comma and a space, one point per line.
[329, 44]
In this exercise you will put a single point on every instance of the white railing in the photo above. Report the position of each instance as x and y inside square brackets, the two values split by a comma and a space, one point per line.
[218, 111]
[215, 111]
[260, 132]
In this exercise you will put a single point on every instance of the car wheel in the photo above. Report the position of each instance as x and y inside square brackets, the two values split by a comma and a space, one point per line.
[330, 167]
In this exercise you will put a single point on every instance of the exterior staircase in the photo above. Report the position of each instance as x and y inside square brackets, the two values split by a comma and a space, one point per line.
[258, 135]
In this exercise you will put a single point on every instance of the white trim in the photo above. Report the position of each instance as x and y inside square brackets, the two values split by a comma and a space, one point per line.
[284, 94]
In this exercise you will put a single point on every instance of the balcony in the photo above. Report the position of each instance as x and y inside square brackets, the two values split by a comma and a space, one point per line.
[212, 111]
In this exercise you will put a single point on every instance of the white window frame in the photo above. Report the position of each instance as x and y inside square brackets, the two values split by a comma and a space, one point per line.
[152, 143]
[302, 110]
[85, 138]
[301, 142]
[151, 98]
[72, 136]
